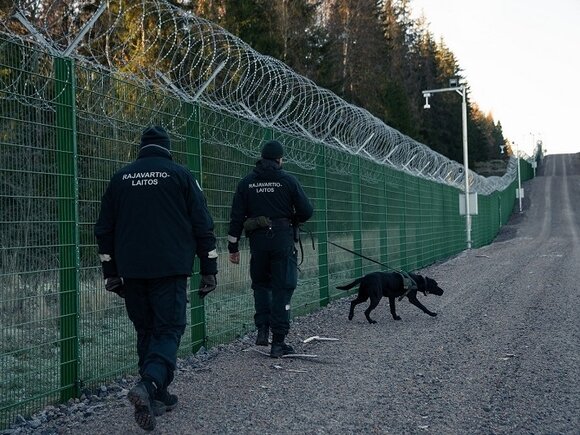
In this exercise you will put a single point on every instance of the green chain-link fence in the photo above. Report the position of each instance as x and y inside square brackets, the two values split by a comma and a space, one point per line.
[60, 331]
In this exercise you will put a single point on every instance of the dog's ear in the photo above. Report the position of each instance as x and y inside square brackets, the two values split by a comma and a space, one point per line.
[434, 286]
[432, 283]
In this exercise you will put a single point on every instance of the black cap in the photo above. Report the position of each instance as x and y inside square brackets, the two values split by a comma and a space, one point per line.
[272, 150]
[155, 135]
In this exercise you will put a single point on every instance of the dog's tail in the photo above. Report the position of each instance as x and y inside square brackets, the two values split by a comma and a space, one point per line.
[351, 285]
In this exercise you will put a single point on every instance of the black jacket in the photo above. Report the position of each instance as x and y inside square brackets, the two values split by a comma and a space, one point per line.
[153, 219]
[268, 191]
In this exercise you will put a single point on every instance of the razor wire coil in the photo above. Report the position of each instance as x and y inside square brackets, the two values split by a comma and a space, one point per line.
[197, 61]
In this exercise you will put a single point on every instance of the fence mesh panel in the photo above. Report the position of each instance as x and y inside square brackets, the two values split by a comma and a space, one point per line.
[61, 139]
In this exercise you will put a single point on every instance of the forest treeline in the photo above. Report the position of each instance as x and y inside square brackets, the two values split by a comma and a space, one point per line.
[371, 53]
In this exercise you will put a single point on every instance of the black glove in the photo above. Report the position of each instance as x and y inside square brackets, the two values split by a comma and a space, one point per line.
[233, 247]
[207, 284]
[115, 285]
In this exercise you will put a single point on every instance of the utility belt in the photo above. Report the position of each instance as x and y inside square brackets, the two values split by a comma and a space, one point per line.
[265, 223]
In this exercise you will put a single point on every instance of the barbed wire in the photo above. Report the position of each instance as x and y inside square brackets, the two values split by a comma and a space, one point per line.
[188, 59]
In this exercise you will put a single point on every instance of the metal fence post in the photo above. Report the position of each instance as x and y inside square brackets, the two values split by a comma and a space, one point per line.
[357, 216]
[426, 232]
[321, 212]
[68, 193]
[403, 227]
[194, 163]
[383, 221]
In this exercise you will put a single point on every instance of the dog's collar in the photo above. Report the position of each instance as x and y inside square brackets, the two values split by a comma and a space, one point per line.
[425, 290]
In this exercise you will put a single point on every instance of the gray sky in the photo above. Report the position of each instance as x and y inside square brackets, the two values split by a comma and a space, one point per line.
[522, 61]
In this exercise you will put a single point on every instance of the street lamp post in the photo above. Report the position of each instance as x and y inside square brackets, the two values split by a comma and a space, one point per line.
[461, 90]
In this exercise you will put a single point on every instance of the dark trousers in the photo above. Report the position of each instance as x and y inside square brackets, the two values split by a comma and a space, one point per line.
[157, 309]
[274, 274]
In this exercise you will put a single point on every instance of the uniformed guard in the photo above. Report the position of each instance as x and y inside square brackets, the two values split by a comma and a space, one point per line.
[153, 220]
[268, 204]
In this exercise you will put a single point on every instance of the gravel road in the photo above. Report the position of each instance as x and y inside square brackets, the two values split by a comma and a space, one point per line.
[502, 357]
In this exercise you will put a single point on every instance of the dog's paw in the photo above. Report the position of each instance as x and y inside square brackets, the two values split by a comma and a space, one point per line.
[397, 318]
[350, 316]
[432, 314]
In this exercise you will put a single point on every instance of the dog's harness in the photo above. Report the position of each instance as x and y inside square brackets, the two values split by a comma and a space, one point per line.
[409, 284]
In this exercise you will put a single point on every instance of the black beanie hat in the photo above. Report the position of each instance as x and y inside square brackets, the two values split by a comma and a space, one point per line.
[272, 150]
[155, 135]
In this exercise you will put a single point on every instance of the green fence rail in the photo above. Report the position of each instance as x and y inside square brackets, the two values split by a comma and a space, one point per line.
[61, 332]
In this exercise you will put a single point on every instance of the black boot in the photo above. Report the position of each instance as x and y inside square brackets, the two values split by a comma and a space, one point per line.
[279, 348]
[140, 397]
[262, 337]
[163, 402]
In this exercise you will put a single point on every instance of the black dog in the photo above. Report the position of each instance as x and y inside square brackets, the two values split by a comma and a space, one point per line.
[390, 284]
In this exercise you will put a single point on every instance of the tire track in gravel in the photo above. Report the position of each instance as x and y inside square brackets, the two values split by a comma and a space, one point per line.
[501, 338]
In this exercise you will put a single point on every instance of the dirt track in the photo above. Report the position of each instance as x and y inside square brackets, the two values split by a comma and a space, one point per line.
[502, 357]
